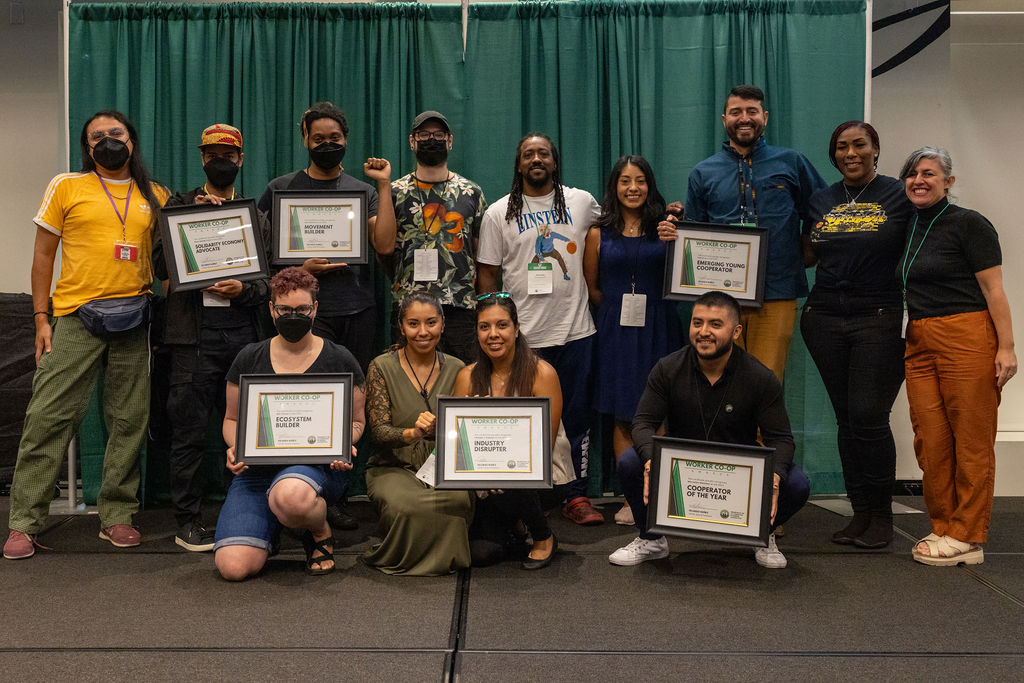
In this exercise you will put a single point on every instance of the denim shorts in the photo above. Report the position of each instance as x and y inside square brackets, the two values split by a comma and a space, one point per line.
[246, 518]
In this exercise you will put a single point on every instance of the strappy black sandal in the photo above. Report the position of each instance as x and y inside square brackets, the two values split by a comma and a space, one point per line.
[326, 555]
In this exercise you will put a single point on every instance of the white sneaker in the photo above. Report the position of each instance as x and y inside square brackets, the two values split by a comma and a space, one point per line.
[625, 516]
[640, 550]
[770, 557]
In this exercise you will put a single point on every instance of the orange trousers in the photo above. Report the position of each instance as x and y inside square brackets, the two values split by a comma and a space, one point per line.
[767, 332]
[954, 401]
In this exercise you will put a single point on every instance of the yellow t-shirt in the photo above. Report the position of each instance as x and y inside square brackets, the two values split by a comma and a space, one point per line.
[76, 208]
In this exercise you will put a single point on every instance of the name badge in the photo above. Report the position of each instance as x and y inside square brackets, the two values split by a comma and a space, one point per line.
[428, 472]
[425, 265]
[906, 321]
[540, 278]
[211, 300]
[126, 251]
[634, 310]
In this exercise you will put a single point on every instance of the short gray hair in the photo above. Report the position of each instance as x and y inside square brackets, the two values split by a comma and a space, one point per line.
[937, 153]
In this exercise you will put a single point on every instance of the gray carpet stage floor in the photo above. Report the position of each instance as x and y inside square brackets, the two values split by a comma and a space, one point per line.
[89, 612]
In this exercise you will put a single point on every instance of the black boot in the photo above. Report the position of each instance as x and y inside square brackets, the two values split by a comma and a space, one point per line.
[879, 532]
[861, 519]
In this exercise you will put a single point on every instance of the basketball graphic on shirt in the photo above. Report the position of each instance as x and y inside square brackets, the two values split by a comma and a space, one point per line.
[571, 247]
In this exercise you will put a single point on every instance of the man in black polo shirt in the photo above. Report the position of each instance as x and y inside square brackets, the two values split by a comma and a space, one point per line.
[205, 330]
[711, 390]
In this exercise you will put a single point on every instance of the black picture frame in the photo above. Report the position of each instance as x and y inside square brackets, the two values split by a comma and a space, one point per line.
[286, 251]
[454, 442]
[303, 447]
[710, 517]
[185, 267]
[687, 276]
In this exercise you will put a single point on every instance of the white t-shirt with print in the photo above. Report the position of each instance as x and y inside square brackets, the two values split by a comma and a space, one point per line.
[564, 315]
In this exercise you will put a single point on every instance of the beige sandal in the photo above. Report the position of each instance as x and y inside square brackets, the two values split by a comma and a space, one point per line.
[946, 551]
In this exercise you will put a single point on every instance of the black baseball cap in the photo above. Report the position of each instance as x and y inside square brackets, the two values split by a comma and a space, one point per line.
[426, 116]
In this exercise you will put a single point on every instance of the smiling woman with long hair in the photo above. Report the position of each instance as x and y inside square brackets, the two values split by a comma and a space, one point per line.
[425, 530]
[507, 366]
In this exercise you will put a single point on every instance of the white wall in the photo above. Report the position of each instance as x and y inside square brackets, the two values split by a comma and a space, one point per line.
[963, 93]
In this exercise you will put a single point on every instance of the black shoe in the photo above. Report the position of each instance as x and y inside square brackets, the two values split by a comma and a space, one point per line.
[529, 563]
[339, 518]
[877, 535]
[857, 526]
[194, 536]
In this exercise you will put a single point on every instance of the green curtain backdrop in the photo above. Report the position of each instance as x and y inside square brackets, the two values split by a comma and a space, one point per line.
[602, 78]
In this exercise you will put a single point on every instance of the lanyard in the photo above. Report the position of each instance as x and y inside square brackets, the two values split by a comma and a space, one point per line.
[530, 209]
[906, 265]
[743, 189]
[127, 204]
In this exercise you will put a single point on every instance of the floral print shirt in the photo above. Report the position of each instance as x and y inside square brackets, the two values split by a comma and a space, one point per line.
[443, 216]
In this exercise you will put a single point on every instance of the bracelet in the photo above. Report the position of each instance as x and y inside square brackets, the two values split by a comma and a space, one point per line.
[46, 313]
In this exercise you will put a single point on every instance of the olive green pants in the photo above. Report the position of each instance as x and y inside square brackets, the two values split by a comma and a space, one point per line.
[61, 390]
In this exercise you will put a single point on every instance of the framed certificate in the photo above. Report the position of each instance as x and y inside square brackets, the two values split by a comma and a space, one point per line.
[204, 244]
[706, 257]
[711, 491]
[294, 419]
[330, 224]
[493, 443]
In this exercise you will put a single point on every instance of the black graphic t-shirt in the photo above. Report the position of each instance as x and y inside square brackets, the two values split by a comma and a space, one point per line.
[859, 243]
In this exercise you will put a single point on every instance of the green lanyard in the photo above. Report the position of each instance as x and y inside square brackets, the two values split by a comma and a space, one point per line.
[906, 265]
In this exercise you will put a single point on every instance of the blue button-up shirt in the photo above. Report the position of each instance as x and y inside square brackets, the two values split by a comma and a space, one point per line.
[770, 187]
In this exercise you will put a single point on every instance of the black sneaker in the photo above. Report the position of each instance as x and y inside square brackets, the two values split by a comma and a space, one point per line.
[194, 536]
[339, 518]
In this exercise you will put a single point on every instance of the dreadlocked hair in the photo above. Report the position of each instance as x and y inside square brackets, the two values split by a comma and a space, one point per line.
[515, 196]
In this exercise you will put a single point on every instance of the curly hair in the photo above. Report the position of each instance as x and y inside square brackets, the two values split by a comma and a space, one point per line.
[291, 279]
[322, 110]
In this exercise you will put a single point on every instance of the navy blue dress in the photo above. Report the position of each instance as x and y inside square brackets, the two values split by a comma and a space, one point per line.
[625, 355]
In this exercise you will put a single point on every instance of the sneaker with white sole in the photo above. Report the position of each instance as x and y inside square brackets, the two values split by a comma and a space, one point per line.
[640, 550]
[625, 516]
[770, 557]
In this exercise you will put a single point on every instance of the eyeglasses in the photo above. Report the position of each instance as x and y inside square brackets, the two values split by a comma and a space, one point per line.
[119, 133]
[304, 309]
[424, 135]
[496, 295]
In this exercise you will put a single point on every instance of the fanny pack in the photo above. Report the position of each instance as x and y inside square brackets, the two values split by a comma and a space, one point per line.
[109, 316]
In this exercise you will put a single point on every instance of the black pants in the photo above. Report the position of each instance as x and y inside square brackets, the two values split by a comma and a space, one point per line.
[859, 353]
[491, 537]
[356, 332]
[195, 399]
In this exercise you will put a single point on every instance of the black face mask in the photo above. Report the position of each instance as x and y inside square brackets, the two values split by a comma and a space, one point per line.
[220, 172]
[110, 153]
[293, 326]
[327, 155]
[431, 152]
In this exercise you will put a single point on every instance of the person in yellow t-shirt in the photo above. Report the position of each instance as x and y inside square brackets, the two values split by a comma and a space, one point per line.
[102, 219]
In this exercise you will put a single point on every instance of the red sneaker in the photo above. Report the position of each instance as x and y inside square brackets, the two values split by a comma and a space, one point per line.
[580, 510]
[122, 535]
[21, 546]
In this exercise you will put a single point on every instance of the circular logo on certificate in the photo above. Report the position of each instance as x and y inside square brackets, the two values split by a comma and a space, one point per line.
[727, 283]
[334, 244]
[511, 464]
[724, 514]
[311, 440]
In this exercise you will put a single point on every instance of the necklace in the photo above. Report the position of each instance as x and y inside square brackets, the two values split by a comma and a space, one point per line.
[503, 382]
[422, 385]
[853, 200]
[700, 407]
[206, 186]
[631, 230]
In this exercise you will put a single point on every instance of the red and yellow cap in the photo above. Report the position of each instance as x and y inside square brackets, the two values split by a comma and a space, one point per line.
[221, 134]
